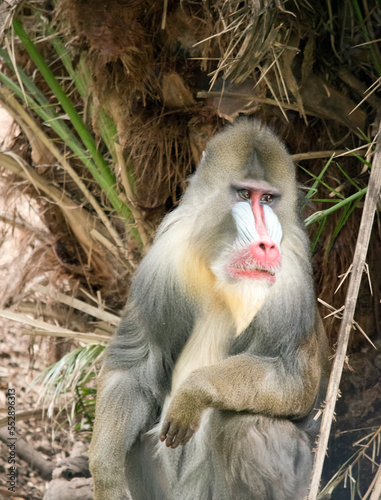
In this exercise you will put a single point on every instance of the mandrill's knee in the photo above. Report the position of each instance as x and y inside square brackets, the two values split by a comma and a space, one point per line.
[266, 458]
[109, 482]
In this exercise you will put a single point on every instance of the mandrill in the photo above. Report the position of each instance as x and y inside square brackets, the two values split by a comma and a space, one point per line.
[210, 386]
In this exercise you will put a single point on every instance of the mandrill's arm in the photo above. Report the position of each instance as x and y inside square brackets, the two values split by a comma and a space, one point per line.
[245, 383]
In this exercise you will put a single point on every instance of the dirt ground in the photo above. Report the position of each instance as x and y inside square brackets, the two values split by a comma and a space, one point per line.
[21, 360]
[18, 366]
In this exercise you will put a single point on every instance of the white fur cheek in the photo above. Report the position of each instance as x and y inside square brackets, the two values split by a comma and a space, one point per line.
[244, 220]
[273, 226]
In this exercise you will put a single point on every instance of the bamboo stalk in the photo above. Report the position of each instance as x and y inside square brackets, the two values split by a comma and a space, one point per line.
[361, 249]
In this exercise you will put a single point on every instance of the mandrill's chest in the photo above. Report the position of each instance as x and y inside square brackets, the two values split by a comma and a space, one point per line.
[225, 308]
[214, 330]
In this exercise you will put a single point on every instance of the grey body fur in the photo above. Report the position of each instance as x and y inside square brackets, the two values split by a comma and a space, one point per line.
[263, 380]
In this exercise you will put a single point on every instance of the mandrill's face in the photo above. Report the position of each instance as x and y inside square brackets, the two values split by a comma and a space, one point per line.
[255, 254]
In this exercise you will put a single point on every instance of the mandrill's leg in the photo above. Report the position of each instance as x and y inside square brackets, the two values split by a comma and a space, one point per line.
[118, 424]
[259, 458]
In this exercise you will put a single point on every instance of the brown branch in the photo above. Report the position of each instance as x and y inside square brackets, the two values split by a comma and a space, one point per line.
[365, 230]
[27, 453]
[376, 494]
[236, 95]
[129, 199]
[314, 155]
[46, 329]
[5, 493]
[37, 413]
[80, 305]
[24, 226]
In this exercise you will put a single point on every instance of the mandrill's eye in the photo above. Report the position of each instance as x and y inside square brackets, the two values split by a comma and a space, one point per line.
[244, 194]
[266, 199]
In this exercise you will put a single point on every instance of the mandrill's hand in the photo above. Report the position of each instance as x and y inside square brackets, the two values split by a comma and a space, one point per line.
[183, 418]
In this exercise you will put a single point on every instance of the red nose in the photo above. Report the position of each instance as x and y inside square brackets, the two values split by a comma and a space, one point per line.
[265, 252]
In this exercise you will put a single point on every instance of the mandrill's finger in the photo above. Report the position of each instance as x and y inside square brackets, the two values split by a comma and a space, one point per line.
[164, 430]
[187, 436]
[179, 437]
[175, 443]
[171, 434]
